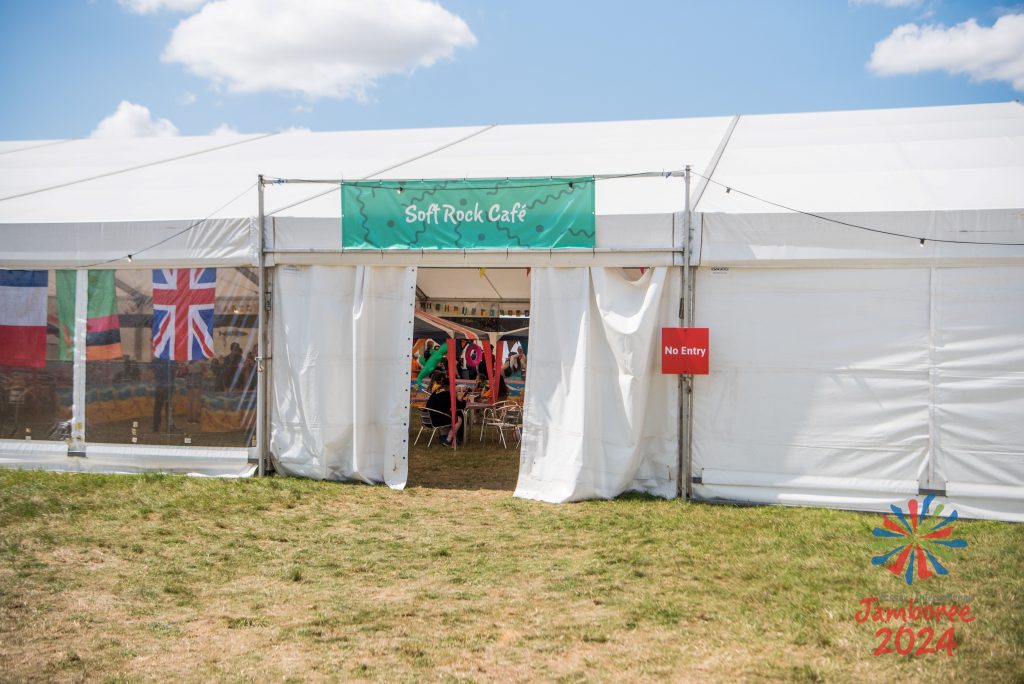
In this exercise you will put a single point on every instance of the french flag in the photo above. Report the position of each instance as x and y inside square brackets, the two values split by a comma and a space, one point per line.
[23, 318]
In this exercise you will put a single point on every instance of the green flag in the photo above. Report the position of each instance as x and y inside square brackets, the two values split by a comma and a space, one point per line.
[103, 327]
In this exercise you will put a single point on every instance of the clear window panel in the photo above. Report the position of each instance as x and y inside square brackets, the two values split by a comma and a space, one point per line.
[36, 363]
[181, 368]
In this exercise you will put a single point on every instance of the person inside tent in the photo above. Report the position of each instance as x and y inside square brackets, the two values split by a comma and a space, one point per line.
[164, 372]
[232, 368]
[514, 367]
[429, 347]
[440, 405]
[129, 371]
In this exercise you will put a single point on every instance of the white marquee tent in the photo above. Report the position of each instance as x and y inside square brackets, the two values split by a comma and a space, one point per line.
[851, 366]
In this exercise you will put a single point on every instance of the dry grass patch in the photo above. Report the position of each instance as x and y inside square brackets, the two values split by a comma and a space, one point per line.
[174, 578]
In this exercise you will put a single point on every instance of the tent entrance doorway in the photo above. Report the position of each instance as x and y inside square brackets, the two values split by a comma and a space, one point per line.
[470, 337]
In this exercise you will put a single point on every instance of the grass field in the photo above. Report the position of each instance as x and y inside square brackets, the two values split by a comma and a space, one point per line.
[125, 578]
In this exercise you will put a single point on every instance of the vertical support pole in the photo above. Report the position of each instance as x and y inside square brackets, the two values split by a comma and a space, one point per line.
[932, 418]
[488, 366]
[686, 381]
[499, 354]
[261, 342]
[77, 443]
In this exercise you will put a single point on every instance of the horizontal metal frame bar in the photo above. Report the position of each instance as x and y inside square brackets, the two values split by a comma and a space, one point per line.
[600, 177]
[470, 251]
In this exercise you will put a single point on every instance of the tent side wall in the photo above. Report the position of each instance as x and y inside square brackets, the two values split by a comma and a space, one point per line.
[860, 375]
[88, 389]
[231, 246]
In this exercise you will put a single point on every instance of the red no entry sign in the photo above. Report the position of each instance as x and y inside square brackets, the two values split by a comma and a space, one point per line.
[684, 351]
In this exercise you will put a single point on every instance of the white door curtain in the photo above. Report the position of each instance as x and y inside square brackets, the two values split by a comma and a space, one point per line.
[599, 419]
[340, 364]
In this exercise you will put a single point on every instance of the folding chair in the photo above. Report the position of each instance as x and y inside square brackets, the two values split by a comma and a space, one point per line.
[427, 423]
[510, 419]
[490, 416]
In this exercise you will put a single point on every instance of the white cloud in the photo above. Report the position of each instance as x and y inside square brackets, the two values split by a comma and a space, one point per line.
[887, 3]
[319, 48]
[133, 121]
[151, 6]
[302, 109]
[187, 99]
[993, 53]
[225, 129]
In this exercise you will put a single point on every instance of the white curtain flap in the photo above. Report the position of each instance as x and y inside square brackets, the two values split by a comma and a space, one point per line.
[600, 419]
[342, 337]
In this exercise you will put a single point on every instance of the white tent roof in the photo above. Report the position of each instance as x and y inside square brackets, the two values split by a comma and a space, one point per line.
[102, 198]
[926, 159]
[940, 173]
[188, 177]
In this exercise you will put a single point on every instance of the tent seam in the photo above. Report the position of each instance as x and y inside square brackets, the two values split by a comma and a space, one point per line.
[389, 168]
[138, 167]
[40, 146]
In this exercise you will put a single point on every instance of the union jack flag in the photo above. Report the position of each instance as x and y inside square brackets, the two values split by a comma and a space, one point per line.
[183, 313]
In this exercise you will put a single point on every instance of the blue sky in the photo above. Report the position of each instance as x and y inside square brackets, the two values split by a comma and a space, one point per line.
[188, 67]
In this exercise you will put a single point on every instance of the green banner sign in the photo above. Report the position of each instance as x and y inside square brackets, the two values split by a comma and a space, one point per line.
[517, 213]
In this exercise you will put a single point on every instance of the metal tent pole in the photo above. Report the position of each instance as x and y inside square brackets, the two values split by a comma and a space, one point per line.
[261, 342]
[76, 446]
[686, 381]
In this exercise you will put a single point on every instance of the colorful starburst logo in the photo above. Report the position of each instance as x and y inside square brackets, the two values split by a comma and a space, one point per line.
[917, 541]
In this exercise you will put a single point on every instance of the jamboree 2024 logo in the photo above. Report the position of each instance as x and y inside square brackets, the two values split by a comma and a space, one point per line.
[916, 545]
[917, 541]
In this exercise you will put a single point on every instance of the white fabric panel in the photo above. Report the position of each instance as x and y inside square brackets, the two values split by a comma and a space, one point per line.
[188, 177]
[979, 380]
[11, 146]
[313, 234]
[600, 419]
[191, 176]
[1013, 492]
[635, 232]
[622, 233]
[710, 476]
[973, 506]
[788, 240]
[217, 242]
[118, 459]
[342, 337]
[608, 147]
[819, 373]
[200, 461]
[920, 159]
[157, 189]
[16, 451]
